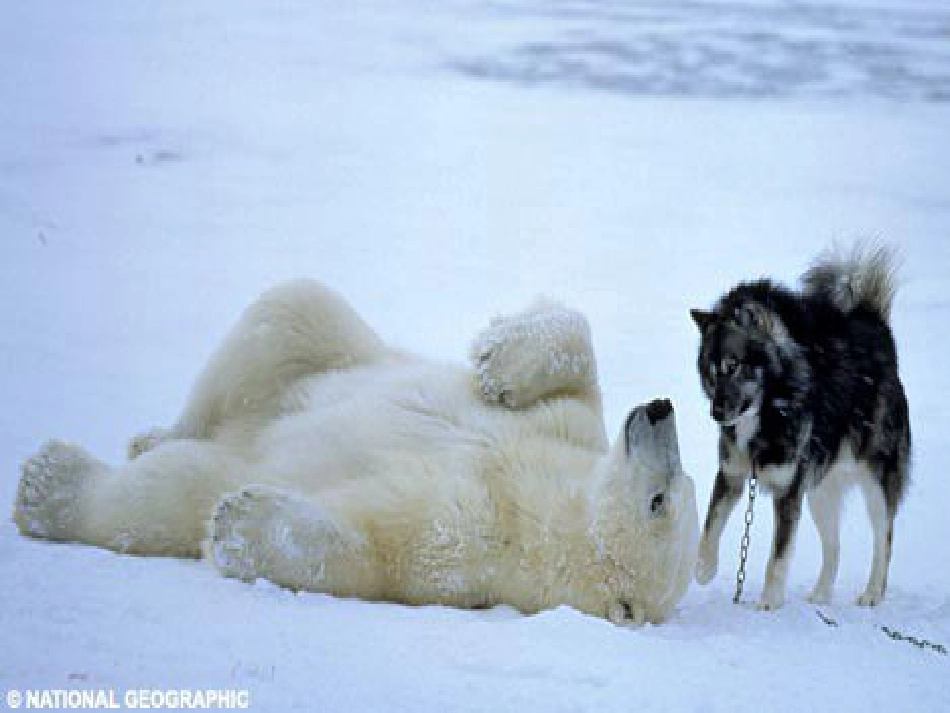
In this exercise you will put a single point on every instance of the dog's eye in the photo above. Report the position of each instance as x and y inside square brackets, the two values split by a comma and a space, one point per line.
[728, 367]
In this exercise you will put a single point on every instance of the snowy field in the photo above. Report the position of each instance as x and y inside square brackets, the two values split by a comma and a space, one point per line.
[161, 163]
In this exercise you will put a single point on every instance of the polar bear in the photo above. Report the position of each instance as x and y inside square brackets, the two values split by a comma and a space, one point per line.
[313, 455]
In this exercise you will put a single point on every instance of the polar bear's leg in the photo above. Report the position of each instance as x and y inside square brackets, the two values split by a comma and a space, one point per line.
[544, 351]
[154, 505]
[357, 542]
[292, 331]
[263, 532]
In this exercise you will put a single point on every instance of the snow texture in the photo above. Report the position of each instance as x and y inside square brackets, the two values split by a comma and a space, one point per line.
[438, 162]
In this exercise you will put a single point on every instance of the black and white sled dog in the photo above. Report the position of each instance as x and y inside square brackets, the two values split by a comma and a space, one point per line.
[805, 388]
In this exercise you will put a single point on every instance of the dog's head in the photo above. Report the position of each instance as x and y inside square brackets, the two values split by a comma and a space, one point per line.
[741, 344]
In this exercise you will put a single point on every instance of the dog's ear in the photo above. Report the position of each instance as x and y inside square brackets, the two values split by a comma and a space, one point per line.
[702, 319]
[752, 316]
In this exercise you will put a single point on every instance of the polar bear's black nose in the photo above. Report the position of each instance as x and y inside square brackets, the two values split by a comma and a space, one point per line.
[658, 410]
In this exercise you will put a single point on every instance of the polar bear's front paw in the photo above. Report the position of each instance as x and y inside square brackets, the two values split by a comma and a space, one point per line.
[494, 380]
[51, 484]
[523, 357]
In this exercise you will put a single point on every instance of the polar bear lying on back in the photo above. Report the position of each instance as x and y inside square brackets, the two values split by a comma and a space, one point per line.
[313, 455]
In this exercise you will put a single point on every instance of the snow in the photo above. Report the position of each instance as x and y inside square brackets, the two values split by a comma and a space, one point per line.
[162, 163]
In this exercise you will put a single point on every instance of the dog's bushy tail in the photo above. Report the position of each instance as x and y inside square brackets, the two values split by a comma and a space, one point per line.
[864, 277]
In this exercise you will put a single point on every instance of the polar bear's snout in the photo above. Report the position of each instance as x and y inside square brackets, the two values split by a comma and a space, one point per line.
[651, 443]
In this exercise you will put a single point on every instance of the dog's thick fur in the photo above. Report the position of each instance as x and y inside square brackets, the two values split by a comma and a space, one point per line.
[806, 390]
[315, 456]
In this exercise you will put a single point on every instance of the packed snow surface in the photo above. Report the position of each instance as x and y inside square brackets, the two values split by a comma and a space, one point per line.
[440, 162]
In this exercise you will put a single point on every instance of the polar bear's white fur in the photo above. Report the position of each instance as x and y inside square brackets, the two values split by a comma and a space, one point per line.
[313, 455]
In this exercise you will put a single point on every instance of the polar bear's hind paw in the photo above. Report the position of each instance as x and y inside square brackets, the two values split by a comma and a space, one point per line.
[51, 484]
[250, 532]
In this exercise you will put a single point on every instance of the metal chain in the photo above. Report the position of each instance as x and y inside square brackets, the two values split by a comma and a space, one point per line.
[919, 643]
[895, 635]
[744, 546]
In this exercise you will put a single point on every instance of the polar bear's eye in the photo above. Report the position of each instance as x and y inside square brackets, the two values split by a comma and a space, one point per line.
[657, 504]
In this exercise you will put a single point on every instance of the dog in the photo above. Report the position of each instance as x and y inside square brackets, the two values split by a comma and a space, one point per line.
[805, 388]
[315, 455]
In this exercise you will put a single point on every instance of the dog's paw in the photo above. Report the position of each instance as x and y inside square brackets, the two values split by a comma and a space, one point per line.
[771, 599]
[51, 484]
[821, 593]
[144, 442]
[871, 597]
[707, 565]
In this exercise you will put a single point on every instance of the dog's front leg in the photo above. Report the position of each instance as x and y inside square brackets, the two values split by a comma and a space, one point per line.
[726, 493]
[788, 511]
[734, 468]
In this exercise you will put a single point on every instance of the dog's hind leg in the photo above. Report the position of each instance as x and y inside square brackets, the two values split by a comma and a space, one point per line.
[824, 503]
[882, 526]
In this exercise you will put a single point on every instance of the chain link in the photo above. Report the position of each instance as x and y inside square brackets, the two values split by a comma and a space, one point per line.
[744, 545]
[910, 639]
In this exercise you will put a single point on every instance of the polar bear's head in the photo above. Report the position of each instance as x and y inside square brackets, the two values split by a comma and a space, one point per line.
[646, 518]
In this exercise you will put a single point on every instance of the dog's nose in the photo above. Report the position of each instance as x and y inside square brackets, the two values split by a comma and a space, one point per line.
[717, 412]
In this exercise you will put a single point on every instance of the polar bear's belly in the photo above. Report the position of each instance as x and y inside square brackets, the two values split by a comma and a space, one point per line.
[365, 422]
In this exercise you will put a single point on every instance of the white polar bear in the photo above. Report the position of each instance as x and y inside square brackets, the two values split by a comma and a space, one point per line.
[313, 455]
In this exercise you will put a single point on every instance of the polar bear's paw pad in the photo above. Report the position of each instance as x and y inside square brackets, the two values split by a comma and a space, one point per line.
[249, 531]
[51, 484]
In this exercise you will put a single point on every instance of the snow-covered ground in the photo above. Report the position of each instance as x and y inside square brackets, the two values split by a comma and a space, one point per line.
[161, 163]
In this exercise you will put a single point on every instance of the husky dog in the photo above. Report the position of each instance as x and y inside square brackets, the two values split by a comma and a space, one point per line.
[805, 388]
[316, 456]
